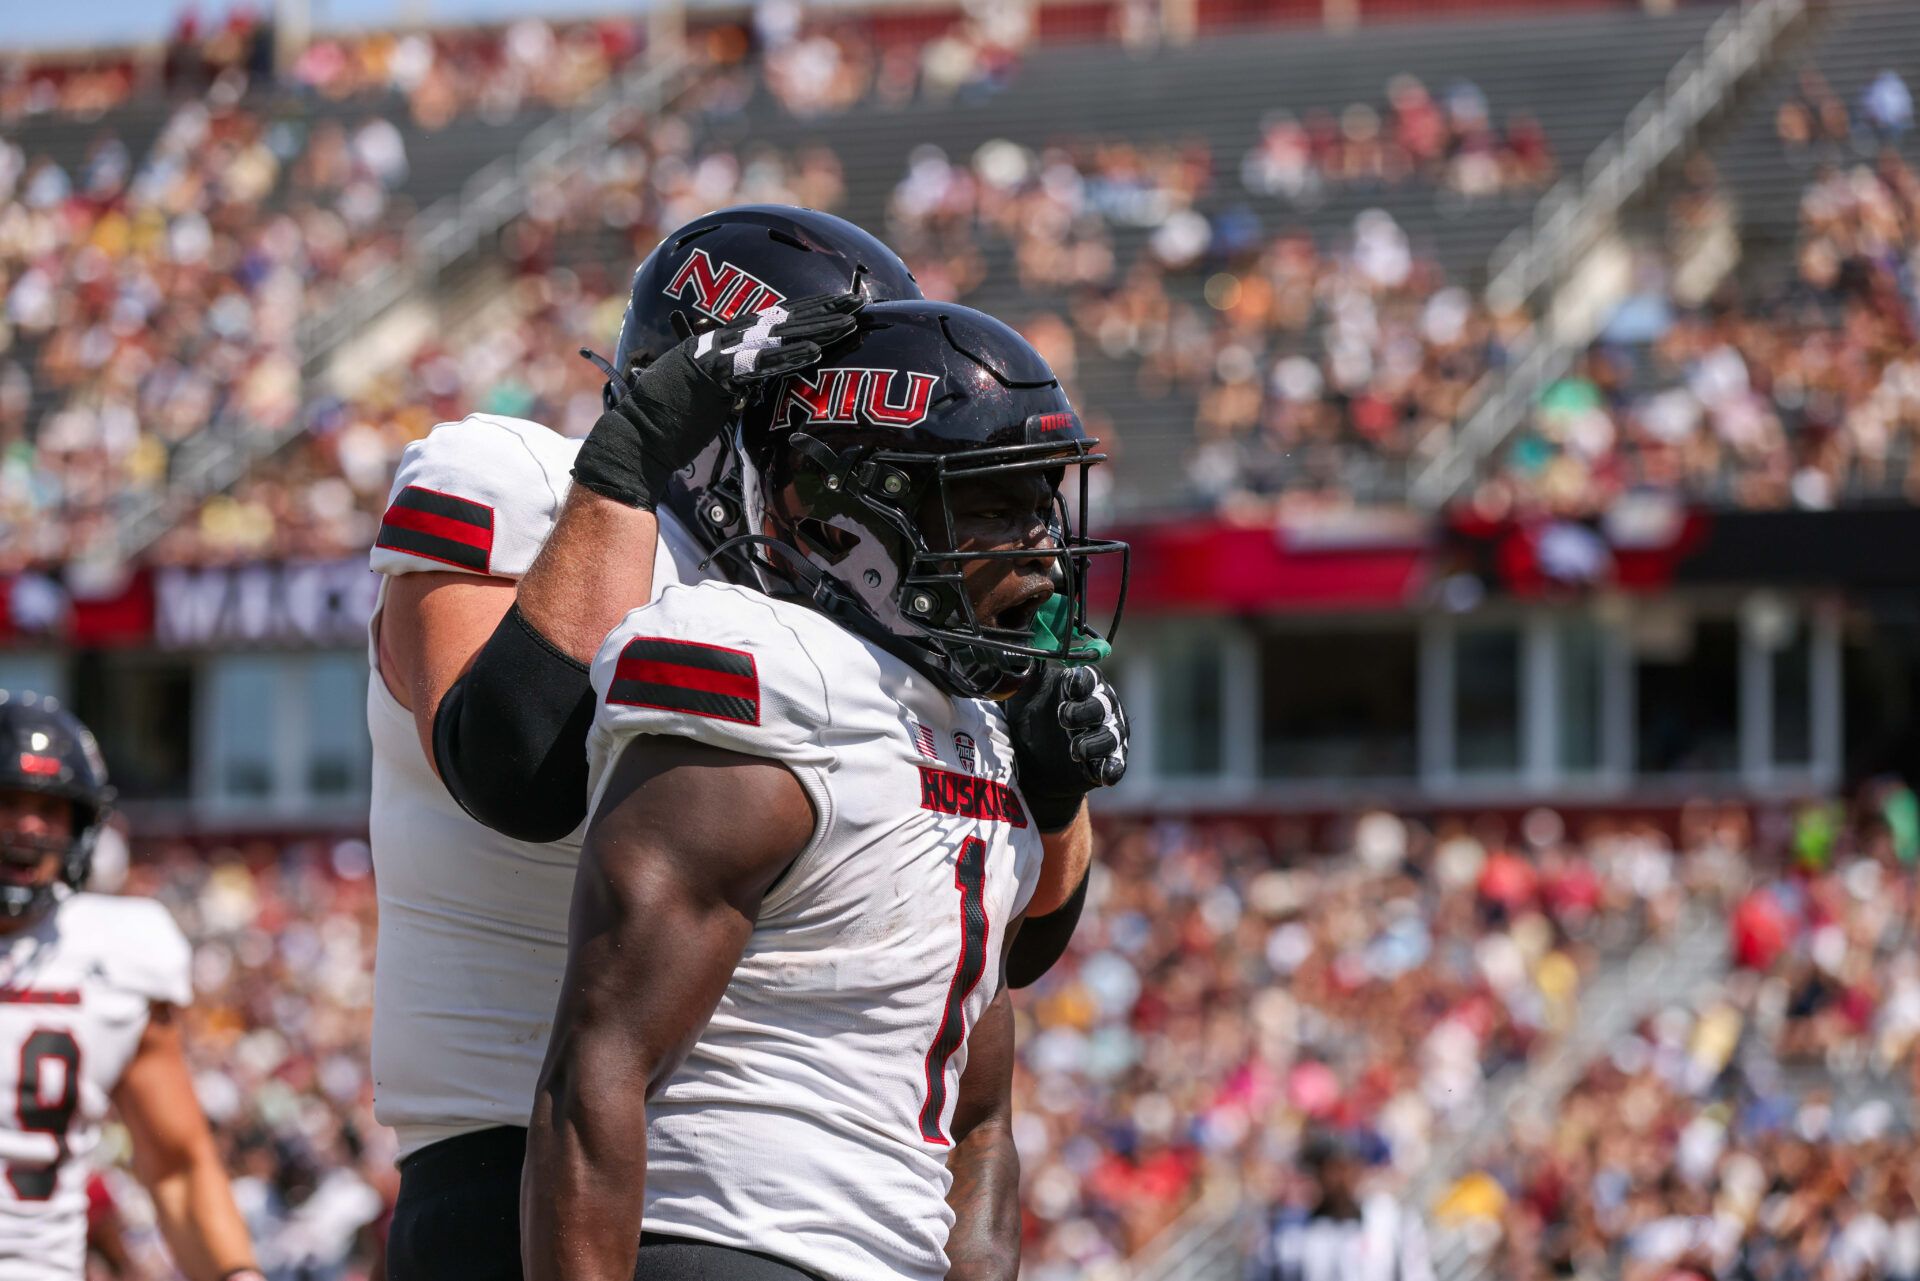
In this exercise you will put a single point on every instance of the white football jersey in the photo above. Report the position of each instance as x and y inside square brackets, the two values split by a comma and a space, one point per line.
[812, 1119]
[473, 924]
[76, 989]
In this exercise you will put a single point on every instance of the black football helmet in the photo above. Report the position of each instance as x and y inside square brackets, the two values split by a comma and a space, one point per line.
[851, 468]
[725, 265]
[45, 749]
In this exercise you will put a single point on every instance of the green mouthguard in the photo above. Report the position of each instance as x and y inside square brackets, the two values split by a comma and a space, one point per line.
[1052, 622]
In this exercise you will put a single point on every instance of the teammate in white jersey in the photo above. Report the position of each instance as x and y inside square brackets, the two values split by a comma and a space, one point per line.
[89, 988]
[783, 1040]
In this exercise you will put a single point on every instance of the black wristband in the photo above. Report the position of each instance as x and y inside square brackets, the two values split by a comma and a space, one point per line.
[669, 413]
[1043, 940]
[1054, 814]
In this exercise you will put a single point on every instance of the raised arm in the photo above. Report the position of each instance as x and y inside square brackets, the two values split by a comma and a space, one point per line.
[494, 672]
[662, 910]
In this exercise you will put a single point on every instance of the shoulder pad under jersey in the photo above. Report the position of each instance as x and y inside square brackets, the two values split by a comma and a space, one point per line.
[135, 943]
[717, 663]
[479, 495]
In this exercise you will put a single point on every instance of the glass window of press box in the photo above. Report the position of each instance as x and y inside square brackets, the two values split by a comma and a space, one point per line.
[231, 737]
[1734, 693]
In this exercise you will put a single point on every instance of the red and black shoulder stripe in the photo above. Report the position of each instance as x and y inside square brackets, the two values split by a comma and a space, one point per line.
[687, 676]
[437, 526]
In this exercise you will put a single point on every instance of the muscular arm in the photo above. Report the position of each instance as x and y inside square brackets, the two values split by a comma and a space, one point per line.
[985, 1197]
[175, 1158]
[1069, 852]
[595, 566]
[662, 910]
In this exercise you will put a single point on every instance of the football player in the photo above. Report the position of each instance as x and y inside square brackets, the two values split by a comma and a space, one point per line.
[90, 989]
[509, 552]
[783, 1039]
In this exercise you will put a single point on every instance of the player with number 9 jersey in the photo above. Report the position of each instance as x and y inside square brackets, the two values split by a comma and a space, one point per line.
[76, 991]
[89, 985]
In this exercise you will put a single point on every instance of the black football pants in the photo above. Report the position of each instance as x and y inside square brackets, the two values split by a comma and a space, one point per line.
[458, 1219]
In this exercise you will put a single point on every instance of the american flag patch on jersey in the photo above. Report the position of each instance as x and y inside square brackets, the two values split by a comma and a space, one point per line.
[923, 739]
[686, 676]
[426, 522]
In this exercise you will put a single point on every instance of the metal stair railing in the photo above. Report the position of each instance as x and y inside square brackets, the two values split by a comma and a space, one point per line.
[439, 236]
[1207, 1243]
[1573, 216]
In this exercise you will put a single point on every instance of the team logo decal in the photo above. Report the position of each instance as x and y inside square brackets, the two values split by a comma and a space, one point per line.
[722, 290]
[849, 397]
[963, 746]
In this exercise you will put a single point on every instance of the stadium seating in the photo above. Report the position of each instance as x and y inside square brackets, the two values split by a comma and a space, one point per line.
[1579, 75]
[1767, 1118]
[1850, 45]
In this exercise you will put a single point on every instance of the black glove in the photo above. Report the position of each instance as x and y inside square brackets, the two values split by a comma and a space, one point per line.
[669, 411]
[1069, 737]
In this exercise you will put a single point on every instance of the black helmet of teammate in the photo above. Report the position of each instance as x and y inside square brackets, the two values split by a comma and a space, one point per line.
[725, 265]
[45, 749]
[853, 466]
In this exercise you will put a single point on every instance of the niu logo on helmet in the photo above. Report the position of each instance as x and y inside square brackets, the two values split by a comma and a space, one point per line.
[849, 397]
[724, 291]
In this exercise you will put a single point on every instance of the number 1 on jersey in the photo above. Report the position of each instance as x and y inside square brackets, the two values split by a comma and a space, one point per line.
[970, 878]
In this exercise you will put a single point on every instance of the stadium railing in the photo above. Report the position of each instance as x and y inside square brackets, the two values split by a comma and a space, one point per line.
[439, 236]
[1576, 213]
[1207, 1243]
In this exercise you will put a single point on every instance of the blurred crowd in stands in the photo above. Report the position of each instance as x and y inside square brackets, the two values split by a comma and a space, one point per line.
[439, 73]
[1234, 991]
[1762, 1126]
[1230, 989]
[1805, 397]
[1237, 992]
[814, 71]
[1303, 359]
[277, 1037]
[148, 295]
[1451, 143]
[517, 354]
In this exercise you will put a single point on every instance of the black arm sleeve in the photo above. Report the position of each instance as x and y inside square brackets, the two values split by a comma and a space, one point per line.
[1043, 940]
[510, 737]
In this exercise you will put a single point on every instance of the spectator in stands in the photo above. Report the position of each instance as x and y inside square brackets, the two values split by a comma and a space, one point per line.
[1452, 146]
[1887, 106]
[1328, 1228]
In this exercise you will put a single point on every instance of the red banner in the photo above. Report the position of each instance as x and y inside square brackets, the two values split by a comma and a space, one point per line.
[1192, 566]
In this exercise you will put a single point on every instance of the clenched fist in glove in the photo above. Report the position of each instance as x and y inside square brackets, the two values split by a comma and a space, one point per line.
[667, 413]
[1069, 737]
